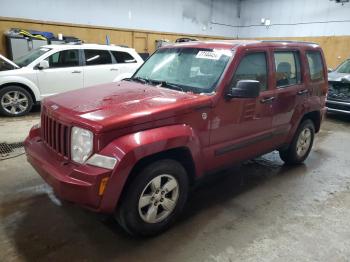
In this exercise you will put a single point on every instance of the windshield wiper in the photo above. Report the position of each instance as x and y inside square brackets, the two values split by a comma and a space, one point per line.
[167, 84]
[139, 79]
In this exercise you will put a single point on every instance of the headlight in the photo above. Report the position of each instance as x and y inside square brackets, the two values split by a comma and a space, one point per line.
[81, 144]
[102, 161]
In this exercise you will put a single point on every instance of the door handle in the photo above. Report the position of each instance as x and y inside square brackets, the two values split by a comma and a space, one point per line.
[303, 92]
[76, 72]
[267, 100]
[114, 69]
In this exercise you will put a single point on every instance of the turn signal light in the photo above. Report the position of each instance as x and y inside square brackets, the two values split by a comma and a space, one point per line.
[103, 185]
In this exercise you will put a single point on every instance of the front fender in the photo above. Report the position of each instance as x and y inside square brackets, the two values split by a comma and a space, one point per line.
[21, 80]
[131, 148]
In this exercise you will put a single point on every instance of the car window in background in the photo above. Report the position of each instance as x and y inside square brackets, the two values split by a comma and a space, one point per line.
[314, 59]
[123, 57]
[287, 66]
[97, 57]
[192, 69]
[31, 56]
[344, 68]
[65, 58]
[252, 67]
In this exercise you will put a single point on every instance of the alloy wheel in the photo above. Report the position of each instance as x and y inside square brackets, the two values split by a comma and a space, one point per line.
[14, 102]
[304, 142]
[158, 199]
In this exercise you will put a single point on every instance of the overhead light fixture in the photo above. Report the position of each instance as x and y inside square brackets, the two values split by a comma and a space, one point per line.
[341, 1]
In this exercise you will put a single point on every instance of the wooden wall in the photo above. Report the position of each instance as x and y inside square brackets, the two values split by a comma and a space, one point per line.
[142, 41]
[336, 48]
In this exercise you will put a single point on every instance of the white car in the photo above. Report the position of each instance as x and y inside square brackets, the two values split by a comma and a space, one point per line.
[54, 69]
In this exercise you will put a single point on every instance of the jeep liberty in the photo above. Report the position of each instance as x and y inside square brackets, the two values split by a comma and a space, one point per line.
[134, 148]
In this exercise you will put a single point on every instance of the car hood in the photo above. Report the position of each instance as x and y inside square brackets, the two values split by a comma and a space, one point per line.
[339, 77]
[5, 61]
[122, 104]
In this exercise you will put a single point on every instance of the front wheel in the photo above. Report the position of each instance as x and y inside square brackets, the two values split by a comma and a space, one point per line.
[15, 101]
[154, 199]
[301, 145]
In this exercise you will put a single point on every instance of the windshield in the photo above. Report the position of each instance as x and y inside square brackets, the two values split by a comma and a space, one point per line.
[344, 68]
[31, 56]
[194, 70]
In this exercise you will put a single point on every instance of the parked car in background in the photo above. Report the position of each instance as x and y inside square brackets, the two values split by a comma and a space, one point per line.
[338, 99]
[134, 148]
[54, 69]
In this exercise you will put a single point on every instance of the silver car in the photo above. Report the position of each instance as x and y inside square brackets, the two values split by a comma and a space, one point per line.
[338, 99]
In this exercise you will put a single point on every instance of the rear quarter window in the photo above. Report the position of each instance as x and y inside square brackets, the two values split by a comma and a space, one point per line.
[315, 63]
[123, 57]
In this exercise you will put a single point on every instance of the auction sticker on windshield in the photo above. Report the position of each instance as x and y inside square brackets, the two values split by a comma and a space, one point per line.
[208, 55]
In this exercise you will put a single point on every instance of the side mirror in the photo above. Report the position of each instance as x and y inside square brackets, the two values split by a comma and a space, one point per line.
[245, 89]
[43, 65]
[330, 70]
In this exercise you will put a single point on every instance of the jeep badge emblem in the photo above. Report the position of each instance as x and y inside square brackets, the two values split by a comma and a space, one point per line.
[204, 116]
[54, 107]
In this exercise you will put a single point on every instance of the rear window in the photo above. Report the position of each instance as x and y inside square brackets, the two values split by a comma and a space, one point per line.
[315, 62]
[123, 57]
[97, 57]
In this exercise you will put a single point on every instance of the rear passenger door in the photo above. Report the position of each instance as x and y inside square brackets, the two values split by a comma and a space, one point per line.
[290, 91]
[99, 67]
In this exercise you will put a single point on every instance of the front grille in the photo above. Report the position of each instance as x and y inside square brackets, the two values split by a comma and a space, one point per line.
[55, 135]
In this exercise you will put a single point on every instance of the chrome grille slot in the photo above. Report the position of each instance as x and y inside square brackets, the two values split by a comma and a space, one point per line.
[55, 134]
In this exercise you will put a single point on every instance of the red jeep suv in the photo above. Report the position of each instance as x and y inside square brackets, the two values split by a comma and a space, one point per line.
[134, 148]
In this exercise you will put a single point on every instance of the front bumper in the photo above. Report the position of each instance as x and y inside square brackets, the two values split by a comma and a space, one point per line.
[338, 107]
[70, 181]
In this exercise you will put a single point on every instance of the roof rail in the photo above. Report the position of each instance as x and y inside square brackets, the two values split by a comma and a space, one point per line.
[288, 41]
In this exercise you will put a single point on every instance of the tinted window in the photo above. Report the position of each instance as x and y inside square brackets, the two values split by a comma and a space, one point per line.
[123, 57]
[66, 58]
[287, 65]
[344, 68]
[97, 57]
[252, 67]
[314, 59]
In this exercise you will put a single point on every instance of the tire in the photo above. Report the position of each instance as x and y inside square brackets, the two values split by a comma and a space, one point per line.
[15, 101]
[136, 216]
[297, 152]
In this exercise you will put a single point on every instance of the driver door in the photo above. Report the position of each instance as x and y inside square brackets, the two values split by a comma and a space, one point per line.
[241, 127]
[65, 73]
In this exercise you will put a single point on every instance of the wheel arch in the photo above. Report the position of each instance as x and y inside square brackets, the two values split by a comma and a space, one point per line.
[177, 142]
[315, 117]
[26, 87]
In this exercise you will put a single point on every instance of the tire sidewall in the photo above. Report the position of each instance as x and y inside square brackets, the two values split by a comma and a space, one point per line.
[130, 217]
[6, 89]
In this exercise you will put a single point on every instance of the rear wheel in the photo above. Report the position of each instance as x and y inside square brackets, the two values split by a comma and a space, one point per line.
[301, 145]
[15, 101]
[154, 199]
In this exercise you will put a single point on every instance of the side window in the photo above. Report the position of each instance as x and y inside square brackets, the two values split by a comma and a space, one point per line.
[252, 67]
[65, 58]
[287, 66]
[97, 57]
[123, 57]
[315, 62]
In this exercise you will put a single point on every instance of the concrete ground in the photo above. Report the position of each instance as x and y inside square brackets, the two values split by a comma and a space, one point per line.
[260, 211]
